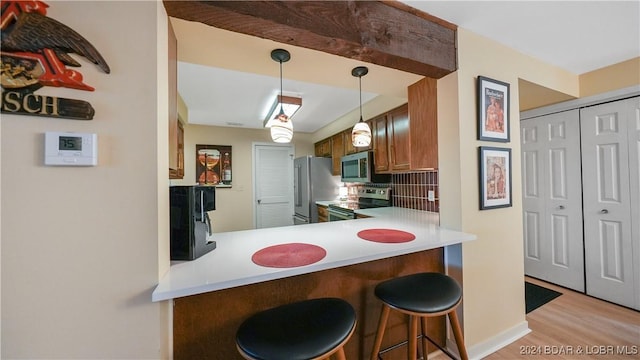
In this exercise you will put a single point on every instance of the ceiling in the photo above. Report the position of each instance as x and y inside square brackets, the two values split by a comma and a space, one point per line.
[237, 86]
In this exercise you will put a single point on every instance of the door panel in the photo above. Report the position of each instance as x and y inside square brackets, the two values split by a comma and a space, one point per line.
[558, 178]
[531, 235]
[634, 178]
[398, 132]
[552, 199]
[608, 173]
[609, 246]
[273, 171]
[560, 240]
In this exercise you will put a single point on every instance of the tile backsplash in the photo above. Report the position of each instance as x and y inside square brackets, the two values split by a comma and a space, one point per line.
[411, 190]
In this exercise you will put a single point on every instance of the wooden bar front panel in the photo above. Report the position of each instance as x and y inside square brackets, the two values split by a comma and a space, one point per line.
[204, 325]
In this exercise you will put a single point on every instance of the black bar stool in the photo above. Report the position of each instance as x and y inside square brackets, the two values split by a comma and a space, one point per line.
[420, 296]
[305, 330]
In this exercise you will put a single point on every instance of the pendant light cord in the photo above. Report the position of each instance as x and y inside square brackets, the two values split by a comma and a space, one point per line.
[360, 78]
[281, 106]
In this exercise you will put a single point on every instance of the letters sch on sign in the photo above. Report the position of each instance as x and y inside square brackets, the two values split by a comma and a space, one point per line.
[32, 58]
[15, 102]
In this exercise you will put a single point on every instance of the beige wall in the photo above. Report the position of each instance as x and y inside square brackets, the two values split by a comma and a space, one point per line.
[493, 265]
[234, 206]
[617, 76]
[80, 251]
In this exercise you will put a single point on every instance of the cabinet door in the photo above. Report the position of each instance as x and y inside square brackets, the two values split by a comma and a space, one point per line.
[552, 199]
[337, 152]
[323, 213]
[323, 148]
[423, 123]
[380, 144]
[348, 143]
[609, 246]
[399, 146]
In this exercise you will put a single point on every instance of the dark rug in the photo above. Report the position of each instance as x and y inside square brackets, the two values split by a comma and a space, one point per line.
[536, 296]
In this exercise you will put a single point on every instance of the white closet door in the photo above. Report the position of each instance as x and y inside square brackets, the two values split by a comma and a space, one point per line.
[634, 180]
[607, 207]
[552, 199]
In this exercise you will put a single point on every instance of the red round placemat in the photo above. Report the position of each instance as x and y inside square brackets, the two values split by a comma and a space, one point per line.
[288, 255]
[386, 235]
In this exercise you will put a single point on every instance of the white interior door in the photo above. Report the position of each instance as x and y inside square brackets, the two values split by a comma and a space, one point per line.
[609, 246]
[634, 177]
[273, 179]
[552, 199]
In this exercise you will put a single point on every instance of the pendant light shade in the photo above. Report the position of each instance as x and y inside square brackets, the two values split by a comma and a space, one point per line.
[361, 133]
[281, 126]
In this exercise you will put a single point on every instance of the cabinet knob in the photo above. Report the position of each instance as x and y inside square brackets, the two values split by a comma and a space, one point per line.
[604, 211]
[561, 207]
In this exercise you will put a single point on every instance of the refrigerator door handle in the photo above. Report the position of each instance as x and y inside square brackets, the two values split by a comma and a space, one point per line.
[298, 187]
[300, 219]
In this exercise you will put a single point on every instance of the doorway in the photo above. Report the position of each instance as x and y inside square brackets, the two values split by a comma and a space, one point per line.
[273, 185]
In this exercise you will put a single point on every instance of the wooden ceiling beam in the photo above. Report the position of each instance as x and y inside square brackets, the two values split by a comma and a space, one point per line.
[389, 34]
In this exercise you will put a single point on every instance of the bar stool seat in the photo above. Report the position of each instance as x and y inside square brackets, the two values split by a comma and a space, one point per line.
[420, 296]
[309, 329]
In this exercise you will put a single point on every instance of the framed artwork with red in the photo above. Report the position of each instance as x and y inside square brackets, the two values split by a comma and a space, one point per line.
[213, 165]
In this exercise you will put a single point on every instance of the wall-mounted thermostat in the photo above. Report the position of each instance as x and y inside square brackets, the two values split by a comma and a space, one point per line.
[70, 149]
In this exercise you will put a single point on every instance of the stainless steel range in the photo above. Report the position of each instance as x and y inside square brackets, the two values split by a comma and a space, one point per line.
[369, 196]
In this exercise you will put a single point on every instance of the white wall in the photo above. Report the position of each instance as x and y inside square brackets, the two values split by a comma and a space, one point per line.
[80, 251]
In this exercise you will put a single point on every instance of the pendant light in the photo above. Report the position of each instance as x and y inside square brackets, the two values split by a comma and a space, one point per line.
[361, 133]
[281, 127]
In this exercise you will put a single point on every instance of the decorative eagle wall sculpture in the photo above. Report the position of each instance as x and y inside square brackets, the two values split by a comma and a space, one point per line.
[35, 51]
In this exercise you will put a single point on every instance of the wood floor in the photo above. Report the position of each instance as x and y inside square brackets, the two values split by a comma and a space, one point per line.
[576, 326]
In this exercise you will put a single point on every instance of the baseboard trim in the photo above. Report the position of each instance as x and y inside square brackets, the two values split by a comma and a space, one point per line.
[495, 343]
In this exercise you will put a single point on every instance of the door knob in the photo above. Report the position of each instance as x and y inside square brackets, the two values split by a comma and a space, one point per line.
[259, 201]
[604, 211]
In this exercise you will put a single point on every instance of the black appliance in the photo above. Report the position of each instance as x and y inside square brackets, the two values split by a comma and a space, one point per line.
[190, 223]
[369, 196]
[360, 168]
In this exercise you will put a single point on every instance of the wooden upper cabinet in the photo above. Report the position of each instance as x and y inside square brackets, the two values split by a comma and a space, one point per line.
[380, 143]
[337, 152]
[323, 148]
[398, 138]
[423, 115]
[348, 143]
[403, 139]
[174, 125]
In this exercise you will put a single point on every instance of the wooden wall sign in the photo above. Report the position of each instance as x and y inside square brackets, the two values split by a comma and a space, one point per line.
[35, 52]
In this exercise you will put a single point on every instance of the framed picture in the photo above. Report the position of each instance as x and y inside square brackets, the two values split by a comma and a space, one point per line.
[493, 110]
[213, 165]
[495, 177]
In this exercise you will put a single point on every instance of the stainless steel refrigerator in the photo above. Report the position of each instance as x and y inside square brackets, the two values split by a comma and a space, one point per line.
[313, 181]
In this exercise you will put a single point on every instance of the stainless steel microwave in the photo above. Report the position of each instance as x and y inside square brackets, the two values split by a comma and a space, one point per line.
[360, 168]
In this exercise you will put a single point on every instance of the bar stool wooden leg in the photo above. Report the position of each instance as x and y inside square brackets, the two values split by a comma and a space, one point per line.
[384, 316]
[413, 337]
[425, 342]
[457, 333]
[340, 354]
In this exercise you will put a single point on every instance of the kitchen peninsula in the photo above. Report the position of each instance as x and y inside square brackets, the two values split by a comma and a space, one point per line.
[214, 293]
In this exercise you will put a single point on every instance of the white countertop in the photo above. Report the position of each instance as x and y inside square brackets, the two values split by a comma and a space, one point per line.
[230, 265]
